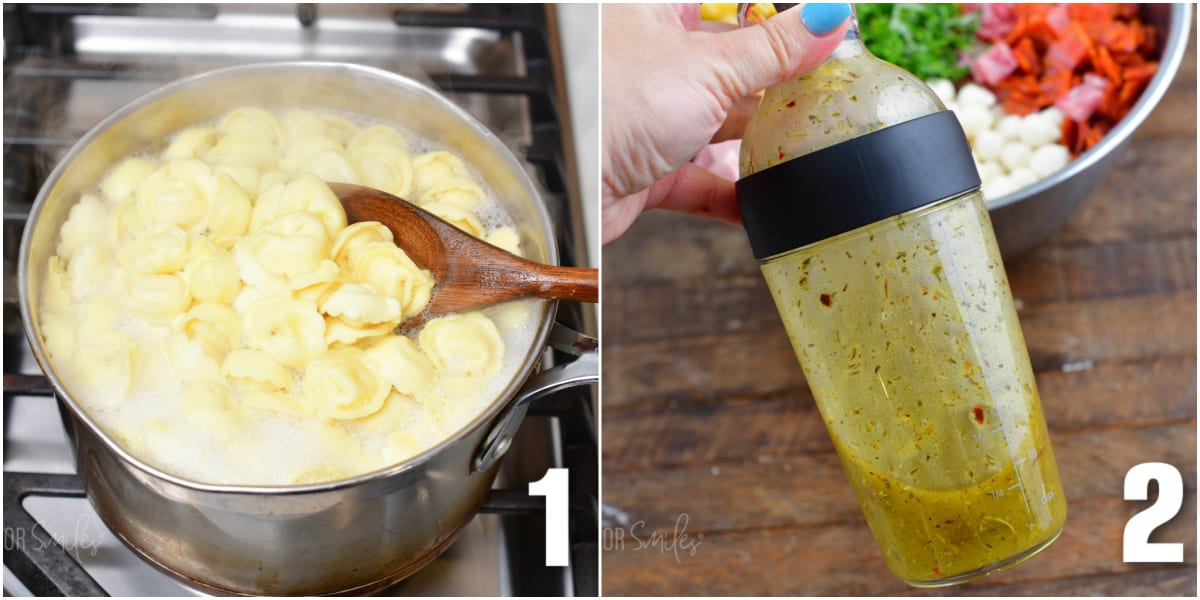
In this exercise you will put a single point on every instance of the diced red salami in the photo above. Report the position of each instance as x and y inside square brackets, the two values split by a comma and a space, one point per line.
[1081, 101]
[1058, 19]
[995, 21]
[994, 64]
[1065, 54]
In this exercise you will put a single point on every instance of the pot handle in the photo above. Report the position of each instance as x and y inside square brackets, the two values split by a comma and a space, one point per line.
[581, 371]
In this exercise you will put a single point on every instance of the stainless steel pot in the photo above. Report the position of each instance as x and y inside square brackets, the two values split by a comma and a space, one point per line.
[1026, 217]
[354, 535]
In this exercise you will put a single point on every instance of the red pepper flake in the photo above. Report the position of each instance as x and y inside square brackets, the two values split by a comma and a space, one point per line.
[978, 412]
[781, 155]
[826, 300]
[937, 571]
[791, 104]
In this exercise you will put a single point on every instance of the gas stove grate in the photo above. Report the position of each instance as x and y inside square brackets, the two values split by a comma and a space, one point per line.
[41, 63]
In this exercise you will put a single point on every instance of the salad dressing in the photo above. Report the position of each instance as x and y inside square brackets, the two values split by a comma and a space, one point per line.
[862, 204]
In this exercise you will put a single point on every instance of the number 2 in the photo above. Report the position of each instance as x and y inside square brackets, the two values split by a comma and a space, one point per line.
[1138, 547]
[554, 487]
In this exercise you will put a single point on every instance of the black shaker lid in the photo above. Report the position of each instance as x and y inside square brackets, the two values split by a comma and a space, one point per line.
[856, 182]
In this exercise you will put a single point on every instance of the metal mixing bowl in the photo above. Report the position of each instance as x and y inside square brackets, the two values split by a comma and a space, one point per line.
[1025, 218]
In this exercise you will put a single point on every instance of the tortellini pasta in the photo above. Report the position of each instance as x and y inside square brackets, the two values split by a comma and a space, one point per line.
[341, 333]
[84, 222]
[389, 269]
[465, 345]
[432, 168]
[215, 327]
[191, 143]
[505, 238]
[211, 295]
[460, 192]
[229, 213]
[156, 297]
[351, 241]
[457, 217]
[211, 272]
[404, 365]
[299, 124]
[380, 155]
[124, 179]
[361, 304]
[163, 251]
[277, 402]
[176, 194]
[290, 331]
[89, 269]
[305, 194]
[343, 384]
[127, 221]
[55, 296]
[292, 245]
[255, 370]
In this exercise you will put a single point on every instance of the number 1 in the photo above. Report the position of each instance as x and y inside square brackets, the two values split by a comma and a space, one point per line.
[554, 487]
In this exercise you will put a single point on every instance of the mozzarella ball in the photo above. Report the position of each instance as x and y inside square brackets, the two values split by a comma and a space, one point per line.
[976, 95]
[988, 144]
[1037, 130]
[988, 171]
[1022, 177]
[944, 89]
[1048, 159]
[974, 118]
[1009, 127]
[1054, 115]
[998, 187]
[1014, 155]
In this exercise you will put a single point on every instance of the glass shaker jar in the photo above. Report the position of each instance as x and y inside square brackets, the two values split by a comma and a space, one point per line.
[861, 201]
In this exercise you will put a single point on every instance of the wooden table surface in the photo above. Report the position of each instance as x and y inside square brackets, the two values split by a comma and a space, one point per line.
[719, 477]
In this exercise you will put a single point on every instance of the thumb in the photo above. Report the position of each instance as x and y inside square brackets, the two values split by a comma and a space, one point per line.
[780, 47]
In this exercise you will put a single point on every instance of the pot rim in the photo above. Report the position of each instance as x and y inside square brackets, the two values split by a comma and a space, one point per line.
[181, 85]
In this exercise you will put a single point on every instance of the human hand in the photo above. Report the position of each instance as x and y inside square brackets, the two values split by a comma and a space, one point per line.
[670, 90]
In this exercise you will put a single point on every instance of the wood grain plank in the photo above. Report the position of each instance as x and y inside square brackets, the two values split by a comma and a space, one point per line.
[1111, 329]
[761, 363]
[669, 246]
[1151, 192]
[1146, 581]
[1109, 394]
[1175, 114]
[811, 489]
[740, 303]
[843, 559]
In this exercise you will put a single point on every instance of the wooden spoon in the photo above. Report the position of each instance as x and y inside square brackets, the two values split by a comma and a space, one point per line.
[470, 273]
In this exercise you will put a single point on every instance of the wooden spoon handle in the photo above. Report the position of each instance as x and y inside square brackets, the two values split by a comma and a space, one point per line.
[564, 283]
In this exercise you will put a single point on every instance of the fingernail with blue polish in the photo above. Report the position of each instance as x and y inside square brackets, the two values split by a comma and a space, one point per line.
[820, 19]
